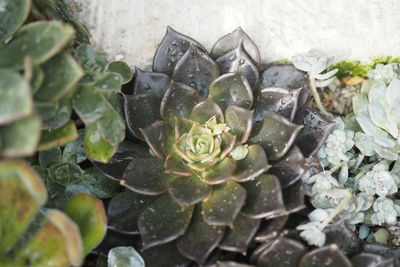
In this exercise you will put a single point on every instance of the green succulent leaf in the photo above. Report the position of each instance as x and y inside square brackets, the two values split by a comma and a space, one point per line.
[122, 69]
[89, 104]
[239, 152]
[318, 255]
[171, 50]
[240, 122]
[74, 152]
[205, 110]
[39, 40]
[111, 126]
[96, 147]
[240, 235]
[175, 221]
[58, 241]
[63, 11]
[238, 61]
[277, 100]
[232, 40]
[282, 251]
[152, 83]
[89, 214]
[58, 137]
[20, 138]
[146, 176]
[188, 191]
[286, 76]
[47, 111]
[65, 173]
[124, 256]
[110, 82]
[37, 78]
[140, 112]
[264, 197]
[15, 97]
[196, 69]
[126, 152]
[92, 61]
[124, 209]
[49, 157]
[253, 165]
[231, 89]
[22, 194]
[223, 206]
[178, 101]
[200, 238]
[12, 16]
[61, 115]
[275, 134]
[61, 74]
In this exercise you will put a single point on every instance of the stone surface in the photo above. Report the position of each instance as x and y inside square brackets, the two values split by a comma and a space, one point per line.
[357, 29]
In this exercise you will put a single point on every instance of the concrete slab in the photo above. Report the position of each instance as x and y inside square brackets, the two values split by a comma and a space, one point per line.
[357, 29]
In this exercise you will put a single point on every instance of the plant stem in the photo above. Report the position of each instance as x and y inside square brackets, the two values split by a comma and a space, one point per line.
[332, 170]
[317, 98]
[336, 211]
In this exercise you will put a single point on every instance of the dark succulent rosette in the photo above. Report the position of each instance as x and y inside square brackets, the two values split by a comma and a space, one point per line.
[227, 148]
[281, 247]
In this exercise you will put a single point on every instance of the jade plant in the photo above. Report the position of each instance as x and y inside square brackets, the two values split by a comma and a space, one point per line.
[31, 235]
[225, 148]
[42, 83]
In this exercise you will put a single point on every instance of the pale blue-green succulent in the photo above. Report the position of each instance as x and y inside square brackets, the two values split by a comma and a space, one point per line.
[379, 181]
[385, 211]
[315, 65]
[376, 110]
[337, 146]
[384, 73]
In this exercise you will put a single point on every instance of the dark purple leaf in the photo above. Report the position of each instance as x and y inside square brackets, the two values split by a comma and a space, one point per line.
[316, 130]
[196, 69]
[171, 50]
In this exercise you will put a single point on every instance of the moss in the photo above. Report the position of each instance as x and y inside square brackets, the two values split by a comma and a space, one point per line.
[357, 68]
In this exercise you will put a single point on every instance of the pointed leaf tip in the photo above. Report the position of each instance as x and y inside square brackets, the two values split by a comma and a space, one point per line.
[171, 49]
[196, 69]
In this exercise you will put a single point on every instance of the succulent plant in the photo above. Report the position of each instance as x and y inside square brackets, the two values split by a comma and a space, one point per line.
[314, 64]
[225, 151]
[98, 104]
[64, 178]
[49, 76]
[42, 84]
[60, 10]
[52, 239]
[124, 256]
[337, 146]
[343, 248]
[375, 110]
[355, 187]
